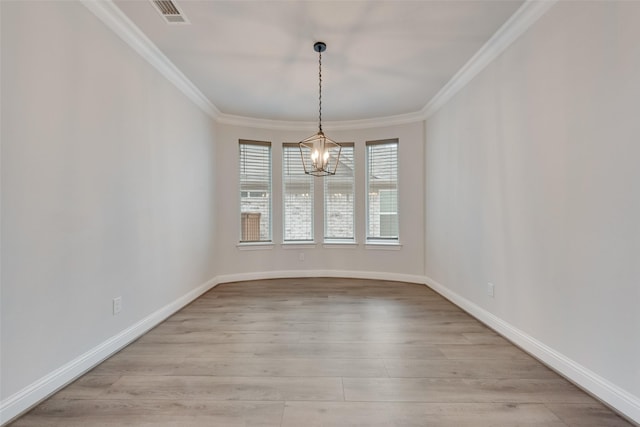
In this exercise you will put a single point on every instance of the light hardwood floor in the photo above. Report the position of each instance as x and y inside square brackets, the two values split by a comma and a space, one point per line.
[320, 352]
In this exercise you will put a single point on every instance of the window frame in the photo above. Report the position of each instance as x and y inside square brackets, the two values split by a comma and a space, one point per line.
[331, 240]
[269, 240]
[380, 240]
[286, 146]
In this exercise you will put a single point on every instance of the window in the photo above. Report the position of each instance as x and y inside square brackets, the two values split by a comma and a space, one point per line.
[382, 190]
[339, 195]
[255, 191]
[297, 197]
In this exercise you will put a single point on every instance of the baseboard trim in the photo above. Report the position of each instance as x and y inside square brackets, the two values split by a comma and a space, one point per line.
[618, 399]
[20, 402]
[288, 274]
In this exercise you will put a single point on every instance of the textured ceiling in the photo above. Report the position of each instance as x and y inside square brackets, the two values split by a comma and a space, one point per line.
[384, 58]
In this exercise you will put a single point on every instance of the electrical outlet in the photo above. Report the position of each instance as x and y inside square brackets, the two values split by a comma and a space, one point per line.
[117, 305]
[490, 289]
[301, 256]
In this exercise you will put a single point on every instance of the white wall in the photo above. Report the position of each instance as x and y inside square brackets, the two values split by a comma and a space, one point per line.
[532, 184]
[409, 260]
[107, 189]
[109, 176]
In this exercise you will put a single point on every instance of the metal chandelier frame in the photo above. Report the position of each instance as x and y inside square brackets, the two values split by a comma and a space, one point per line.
[320, 154]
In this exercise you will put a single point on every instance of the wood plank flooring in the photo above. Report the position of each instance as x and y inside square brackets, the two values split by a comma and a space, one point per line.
[320, 352]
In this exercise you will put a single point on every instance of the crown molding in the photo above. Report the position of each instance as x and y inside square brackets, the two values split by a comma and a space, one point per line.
[120, 24]
[519, 22]
[516, 25]
[251, 122]
[375, 122]
[510, 31]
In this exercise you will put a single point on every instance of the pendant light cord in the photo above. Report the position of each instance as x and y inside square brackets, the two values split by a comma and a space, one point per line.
[320, 91]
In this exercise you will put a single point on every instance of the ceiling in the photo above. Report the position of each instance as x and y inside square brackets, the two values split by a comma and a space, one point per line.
[384, 58]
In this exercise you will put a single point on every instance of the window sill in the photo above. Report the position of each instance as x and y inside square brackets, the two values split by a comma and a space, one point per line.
[257, 246]
[339, 244]
[298, 245]
[383, 245]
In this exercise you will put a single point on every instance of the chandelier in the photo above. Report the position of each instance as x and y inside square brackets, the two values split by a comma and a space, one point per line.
[320, 155]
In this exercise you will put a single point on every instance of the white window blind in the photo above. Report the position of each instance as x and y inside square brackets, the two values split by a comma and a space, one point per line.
[297, 197]
[255, 191]
[382, 190]
[339, 194]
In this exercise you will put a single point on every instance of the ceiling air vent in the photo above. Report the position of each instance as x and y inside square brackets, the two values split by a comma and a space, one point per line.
[170, 12]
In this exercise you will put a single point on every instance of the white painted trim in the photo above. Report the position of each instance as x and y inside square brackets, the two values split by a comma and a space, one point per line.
[1, 210]
[621, 400]
[22, 401]
[120, 24]
[328, 126]
[289, 274]
[510, 31]
[39, 390]
[382, 246]
[254, 246]
[339, 245]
